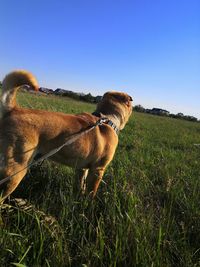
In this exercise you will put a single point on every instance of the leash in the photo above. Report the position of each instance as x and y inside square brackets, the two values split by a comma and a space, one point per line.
[71, 140]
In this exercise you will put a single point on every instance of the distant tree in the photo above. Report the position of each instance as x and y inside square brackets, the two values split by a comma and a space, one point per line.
[139, 108]
[88, 98]
[97, 99]
[173, 115]
[180, 115]
[71, 94]
[190, 118]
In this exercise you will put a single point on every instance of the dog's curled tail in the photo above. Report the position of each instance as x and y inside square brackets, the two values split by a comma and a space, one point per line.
[11, 83]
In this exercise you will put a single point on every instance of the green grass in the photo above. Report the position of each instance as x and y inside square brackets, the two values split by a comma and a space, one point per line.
[146, 212]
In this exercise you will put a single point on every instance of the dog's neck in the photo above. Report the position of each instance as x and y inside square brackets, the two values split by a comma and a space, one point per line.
[113, 117]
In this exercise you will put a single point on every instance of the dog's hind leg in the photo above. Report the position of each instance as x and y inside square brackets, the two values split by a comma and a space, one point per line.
[14, 166]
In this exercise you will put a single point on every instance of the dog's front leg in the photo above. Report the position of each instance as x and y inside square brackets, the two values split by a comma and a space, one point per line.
[80, 183]
[93, 180]
[10, 186]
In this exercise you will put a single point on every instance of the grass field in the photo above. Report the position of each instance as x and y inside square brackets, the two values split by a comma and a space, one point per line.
[146, 212]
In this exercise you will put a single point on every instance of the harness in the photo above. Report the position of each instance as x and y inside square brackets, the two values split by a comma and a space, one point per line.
[109, 122]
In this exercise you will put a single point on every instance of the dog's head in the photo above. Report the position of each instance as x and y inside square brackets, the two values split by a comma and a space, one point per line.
[118, 104]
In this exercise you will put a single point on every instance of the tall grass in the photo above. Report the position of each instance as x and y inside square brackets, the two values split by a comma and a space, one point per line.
[146, 212]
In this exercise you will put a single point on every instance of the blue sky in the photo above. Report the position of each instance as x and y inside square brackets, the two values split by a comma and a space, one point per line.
[149, 49]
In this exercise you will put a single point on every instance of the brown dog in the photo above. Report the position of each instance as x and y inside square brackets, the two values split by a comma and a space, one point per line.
[26, 132]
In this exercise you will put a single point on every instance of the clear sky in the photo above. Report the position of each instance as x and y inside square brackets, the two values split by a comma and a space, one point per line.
[148, 48]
